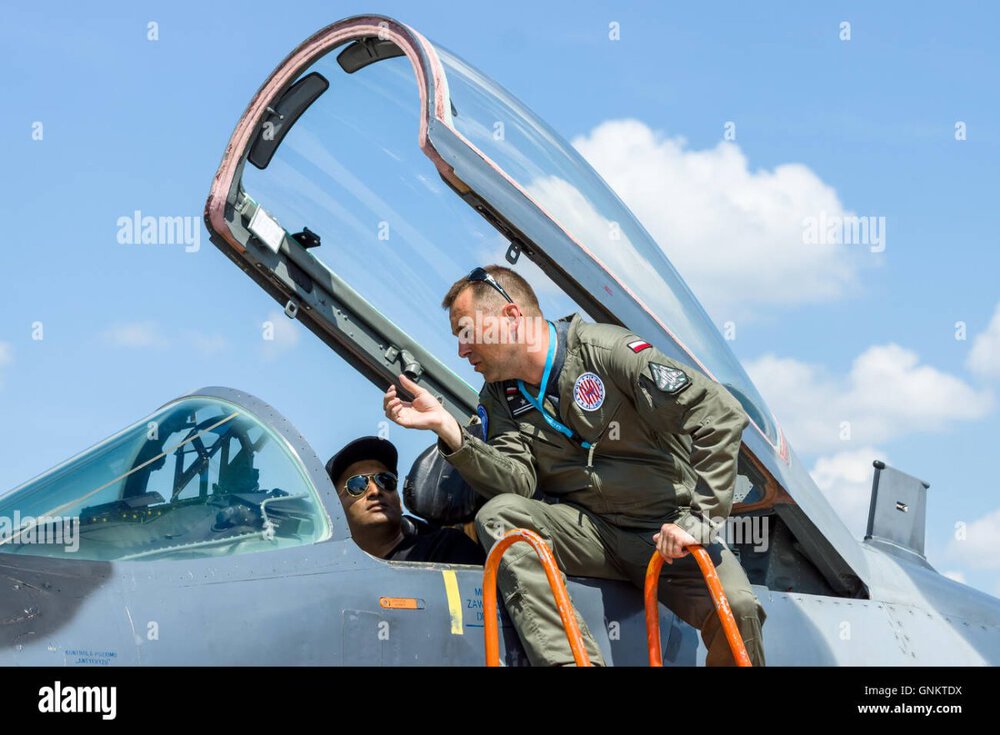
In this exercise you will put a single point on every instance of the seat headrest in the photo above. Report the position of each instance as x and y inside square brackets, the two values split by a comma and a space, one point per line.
[434, 490]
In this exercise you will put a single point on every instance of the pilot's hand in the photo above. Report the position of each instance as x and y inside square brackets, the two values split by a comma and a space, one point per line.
[671, 540]
[423, 412]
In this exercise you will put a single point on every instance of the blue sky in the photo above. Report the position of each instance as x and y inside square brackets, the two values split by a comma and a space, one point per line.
[865, 126]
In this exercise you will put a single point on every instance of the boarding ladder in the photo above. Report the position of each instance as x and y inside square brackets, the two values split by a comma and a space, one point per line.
[565, 607]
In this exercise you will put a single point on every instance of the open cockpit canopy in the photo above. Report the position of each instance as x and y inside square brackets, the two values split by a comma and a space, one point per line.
[374, 168]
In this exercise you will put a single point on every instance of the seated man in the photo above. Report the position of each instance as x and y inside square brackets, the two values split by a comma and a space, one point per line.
[364, 473]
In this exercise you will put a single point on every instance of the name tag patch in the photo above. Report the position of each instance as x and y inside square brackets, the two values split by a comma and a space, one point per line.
[518, 403]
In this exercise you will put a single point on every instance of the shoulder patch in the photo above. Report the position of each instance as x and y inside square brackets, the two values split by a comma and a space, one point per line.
[484, 420]
[669, 380]
[639, 345]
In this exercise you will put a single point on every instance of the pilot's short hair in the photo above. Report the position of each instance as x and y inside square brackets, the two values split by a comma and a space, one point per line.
[519, 290]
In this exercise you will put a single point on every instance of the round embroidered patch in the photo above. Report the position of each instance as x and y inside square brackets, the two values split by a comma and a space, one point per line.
[484, 420]
[588, 392]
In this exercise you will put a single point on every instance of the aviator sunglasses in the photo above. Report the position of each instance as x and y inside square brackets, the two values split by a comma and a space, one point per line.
[479, 275]
[357, 484]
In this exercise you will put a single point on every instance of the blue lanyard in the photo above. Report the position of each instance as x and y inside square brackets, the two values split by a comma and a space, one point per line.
[537, 402]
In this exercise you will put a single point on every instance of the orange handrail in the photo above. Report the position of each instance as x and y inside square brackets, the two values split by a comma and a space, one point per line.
[718, 597]
[555, 582]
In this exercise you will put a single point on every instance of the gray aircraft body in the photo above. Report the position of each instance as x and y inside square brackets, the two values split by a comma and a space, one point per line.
[370, 170]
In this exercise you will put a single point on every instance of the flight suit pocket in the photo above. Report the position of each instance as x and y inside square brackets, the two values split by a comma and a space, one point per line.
[597, 425]
[547, 436]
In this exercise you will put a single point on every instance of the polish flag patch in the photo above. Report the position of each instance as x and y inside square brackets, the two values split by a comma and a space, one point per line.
[639, 345]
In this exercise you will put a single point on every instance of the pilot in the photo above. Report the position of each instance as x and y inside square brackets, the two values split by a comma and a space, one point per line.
[632, 452]
[364, 473]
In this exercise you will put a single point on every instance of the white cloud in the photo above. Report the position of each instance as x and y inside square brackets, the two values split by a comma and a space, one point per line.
[984, 357]
[6, 357]
[279, 334]
[135, 334]
[956, 575]
[148, 334]
[977, 543]
[734, 235]
[887, 393]
[845, 479]
[208, 344]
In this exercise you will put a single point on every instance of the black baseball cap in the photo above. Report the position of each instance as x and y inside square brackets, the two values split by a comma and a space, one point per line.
[367, 447]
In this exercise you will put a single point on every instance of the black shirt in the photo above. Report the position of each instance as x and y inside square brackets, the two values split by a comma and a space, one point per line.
[442, 545]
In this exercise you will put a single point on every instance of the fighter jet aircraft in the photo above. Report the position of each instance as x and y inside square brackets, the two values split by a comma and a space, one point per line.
[371, 169]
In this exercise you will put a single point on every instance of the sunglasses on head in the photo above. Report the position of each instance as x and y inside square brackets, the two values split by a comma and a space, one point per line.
[357, 484]
[479, 275]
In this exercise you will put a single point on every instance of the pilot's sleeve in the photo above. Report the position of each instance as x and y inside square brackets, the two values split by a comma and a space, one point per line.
[500, 462]
[676, 398]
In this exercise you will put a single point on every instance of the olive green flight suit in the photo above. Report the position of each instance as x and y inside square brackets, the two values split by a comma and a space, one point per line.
[665, 441]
